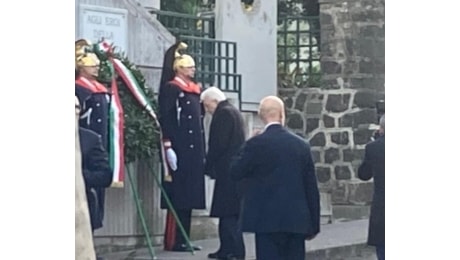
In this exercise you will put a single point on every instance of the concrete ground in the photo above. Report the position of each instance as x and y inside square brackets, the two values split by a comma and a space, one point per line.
[339, 241]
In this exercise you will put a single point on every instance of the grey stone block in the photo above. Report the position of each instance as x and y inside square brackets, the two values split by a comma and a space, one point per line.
[288, 102]
[352, 193]
[337, 103]
[300, 102]
[325, 19]
[371, 31]
[366, 67]
[350, 155]
[350, 68]
[356, 119]
[342, 172]
[312, 124]
[316, 156]
[329, 84]
[361, 193]
[331, 67]
[340, 138]
[362, 136]
[331, 155]
[323, 174]
[295, 121]
[339, 194]
[365, 98]
[374, 83]
[328, 121]
[318, 139]
[314, 108]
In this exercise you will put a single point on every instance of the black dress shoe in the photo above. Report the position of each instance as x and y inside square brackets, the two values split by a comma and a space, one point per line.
[215, 255]
[231, 257]
[185, 248]
[180, 248]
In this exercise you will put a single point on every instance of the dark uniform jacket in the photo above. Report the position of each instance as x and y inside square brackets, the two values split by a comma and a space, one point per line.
[226, 136]
[373, 166]
[282, 193]
[96, 172]
[180, 116]
[94, 100]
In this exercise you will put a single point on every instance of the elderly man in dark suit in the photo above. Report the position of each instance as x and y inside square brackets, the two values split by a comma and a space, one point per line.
[281, 200]
[373, 166]
[226, 135]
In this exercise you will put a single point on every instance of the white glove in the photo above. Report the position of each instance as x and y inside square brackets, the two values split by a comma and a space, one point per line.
[171, 157]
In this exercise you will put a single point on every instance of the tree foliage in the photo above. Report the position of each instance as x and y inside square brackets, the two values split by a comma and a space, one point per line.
[181, 6]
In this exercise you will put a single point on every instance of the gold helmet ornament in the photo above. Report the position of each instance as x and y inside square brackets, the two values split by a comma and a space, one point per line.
[84, 57]
[182, 60]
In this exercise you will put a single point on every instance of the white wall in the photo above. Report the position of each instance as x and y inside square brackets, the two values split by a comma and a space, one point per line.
[255, 32]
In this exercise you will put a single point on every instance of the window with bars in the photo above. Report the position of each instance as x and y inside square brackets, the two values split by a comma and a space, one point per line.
[185, 24]
[298, 43]
[299, 50]
[215, 59]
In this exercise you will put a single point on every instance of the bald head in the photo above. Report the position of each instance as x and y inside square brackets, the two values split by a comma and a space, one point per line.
[271, 109]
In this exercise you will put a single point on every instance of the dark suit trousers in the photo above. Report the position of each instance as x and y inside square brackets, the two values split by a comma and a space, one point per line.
[231, 237]
[185, 217]
[280, 246]
[380, 250]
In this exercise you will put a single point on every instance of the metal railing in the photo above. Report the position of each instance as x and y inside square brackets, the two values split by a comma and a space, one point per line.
[215, 63]
[185, 24]
[215, 59]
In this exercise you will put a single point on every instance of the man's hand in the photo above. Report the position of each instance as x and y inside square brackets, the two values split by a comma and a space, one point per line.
[171, 157]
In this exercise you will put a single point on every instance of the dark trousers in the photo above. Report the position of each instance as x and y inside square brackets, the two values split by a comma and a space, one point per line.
[380, 250]
[185, 217]
[280, 246]
[231, 237]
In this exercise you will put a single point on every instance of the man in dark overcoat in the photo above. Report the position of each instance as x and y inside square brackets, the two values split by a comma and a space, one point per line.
[94, 99]
[373, 166]
[226, 136]
[281, 200]
[96, 172]
[181, 119]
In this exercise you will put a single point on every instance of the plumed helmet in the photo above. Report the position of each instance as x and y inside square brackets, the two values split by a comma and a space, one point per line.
[182, 60]
[174, 59]
[84, 56]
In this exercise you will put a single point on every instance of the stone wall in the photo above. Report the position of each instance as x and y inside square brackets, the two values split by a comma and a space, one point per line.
[339, 118]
